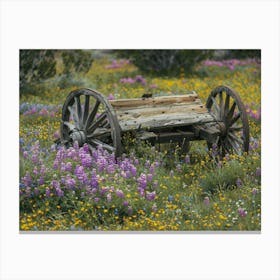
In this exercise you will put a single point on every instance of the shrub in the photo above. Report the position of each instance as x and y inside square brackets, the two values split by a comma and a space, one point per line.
[223, 177]
[166, 62]
[76, 61]
[35, 66]
[242, 54]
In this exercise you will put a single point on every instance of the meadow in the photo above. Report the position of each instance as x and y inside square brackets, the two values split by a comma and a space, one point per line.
[147, 189]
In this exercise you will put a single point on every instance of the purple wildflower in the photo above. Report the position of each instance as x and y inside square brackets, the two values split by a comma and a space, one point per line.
[35, 170]
[187, 159]
[94, 179]
[62, 167]
[55, 164]
[142, 181]
[149, 177]
[238, 183]
[133, 170]
[242, 212]
[86, 160]
[59, 192]
[86, 148]
[153, 86]
[150, 195]
[111, 96]
[70, 182]
[35, 158]
[79, 172]
[119, 193]
[41, 181]
[152, 168]
[27, 180]
[141, 192]
[68, 166]
[109, 197]
[111, 169]
[48, 192]
[254, 191]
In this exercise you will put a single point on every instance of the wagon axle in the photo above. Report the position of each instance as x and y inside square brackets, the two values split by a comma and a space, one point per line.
[88, 117]
[79, 136]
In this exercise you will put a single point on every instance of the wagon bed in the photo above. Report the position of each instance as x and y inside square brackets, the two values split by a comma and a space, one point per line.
[161, 112]
[89, 117]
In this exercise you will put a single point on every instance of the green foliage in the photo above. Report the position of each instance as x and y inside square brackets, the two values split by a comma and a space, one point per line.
[166, 62]
[242, 54]
[223, 177]
[35, 66]
[76, 61]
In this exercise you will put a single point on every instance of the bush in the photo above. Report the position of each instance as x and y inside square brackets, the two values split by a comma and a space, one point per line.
[166, 62]
[242, 54]
[76, 61]
[35, 66]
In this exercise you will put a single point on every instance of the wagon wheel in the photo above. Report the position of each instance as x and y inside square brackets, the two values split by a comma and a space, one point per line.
[87, 117]
[228, 110]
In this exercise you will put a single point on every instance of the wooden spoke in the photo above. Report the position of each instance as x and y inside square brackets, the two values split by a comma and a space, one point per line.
[234, 137]
[233, 145]
[231, 112]
[97, 122]
[70, 125]
[75, 116]
[92, 114]
[86, 109]
[100, 131]
[103, 145]
[234, 119]
[226, 105]
[79, 107]
[236, 128]
[216, 106]
[222, 105]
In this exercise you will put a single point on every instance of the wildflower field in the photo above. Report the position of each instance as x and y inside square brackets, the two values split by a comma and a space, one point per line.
[147, 189]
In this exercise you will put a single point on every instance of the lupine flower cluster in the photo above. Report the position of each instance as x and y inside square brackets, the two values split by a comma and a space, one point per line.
[230, 63]
[40, 109]
[117, 63]
[138, 79]
[254, 114]
[95, 175]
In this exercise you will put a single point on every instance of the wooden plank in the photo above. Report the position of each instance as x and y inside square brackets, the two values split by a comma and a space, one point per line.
[154, 101]
[155, 106]
[160, 111]
[165, 121]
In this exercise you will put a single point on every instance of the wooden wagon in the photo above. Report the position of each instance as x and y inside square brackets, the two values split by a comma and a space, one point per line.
[89, 117]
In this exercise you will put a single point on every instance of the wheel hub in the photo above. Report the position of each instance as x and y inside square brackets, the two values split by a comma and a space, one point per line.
[222, 128]
[79, 136]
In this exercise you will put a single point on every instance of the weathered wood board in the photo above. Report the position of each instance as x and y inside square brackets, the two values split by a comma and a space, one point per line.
[160, 112]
